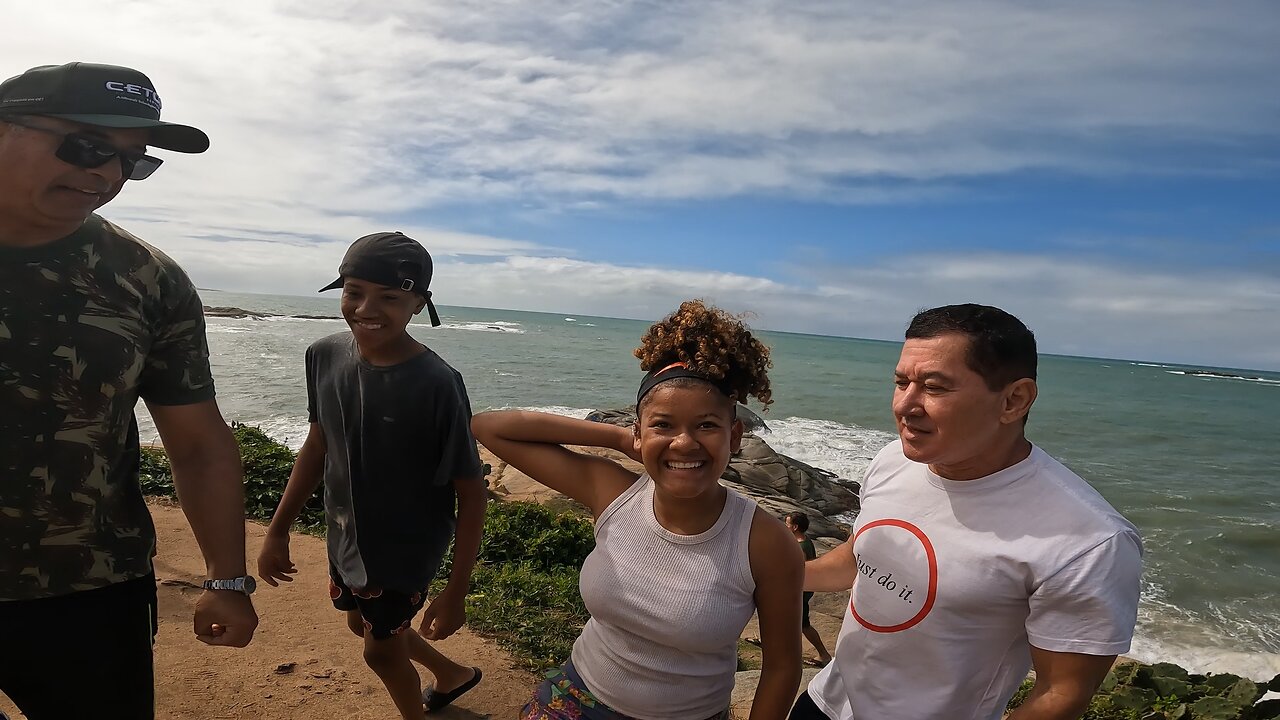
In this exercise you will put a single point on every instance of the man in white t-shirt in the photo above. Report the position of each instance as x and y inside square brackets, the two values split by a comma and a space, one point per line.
[976, 555]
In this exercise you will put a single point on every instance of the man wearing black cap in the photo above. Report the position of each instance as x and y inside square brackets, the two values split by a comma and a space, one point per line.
[390, 437]
[91, 319]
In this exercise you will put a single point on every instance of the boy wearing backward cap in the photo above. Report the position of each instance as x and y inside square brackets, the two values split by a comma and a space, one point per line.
[390, 436]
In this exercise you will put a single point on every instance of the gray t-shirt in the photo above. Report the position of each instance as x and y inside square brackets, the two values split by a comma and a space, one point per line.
[396, 439]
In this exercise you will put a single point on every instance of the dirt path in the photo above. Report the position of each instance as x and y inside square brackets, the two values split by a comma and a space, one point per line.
[303, 663]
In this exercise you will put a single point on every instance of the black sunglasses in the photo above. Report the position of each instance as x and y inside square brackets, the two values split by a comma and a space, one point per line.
[86, 151]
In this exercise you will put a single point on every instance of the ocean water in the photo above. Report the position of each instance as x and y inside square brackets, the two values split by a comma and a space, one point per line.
[1190, 455]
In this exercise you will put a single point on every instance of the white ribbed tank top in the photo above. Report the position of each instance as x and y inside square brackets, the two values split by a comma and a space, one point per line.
[666, 609]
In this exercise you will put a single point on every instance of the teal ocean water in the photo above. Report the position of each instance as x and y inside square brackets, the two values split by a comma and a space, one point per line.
[1190, 455]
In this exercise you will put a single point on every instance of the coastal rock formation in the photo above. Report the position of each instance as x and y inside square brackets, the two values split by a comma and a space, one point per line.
[241, 313]
[782, 484]
[778, 483]
[233, 312]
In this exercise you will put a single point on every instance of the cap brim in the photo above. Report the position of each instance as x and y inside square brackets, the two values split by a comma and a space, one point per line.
[332, 286]
[168, 136]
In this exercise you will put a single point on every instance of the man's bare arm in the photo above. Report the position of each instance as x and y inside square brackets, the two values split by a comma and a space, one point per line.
[208, 477]
[833, 572]
[1065, 682]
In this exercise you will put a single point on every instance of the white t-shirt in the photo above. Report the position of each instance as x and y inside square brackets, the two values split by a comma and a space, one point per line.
[956, 579]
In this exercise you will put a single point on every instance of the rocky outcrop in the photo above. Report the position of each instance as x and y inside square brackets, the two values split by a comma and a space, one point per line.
[782, 484]
[234, 312]
[241, 313]
[778, 483]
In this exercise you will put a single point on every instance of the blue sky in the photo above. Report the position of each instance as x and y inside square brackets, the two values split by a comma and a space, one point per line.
[1105, 171]
[1171, 222]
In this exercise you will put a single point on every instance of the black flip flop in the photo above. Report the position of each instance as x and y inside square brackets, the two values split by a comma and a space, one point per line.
[434, 700]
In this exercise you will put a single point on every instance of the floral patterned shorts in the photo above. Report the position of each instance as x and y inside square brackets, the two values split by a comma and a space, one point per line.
[564, 696]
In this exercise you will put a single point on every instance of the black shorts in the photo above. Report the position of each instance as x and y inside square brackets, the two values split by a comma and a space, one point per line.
[83, 655]
[385, 612]
[806, 709]
[804, 612]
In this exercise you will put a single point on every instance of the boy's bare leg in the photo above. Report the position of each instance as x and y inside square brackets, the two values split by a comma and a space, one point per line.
[449, 674]
[390, 659]
[815, 639]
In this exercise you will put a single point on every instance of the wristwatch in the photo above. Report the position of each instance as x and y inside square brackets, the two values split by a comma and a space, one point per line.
[243, 584]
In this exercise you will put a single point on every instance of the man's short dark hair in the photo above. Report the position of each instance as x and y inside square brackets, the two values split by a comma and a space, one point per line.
[799, 519]
[1001, 348]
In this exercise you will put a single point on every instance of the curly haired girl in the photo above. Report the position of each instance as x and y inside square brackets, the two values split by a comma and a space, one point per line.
[680, 562]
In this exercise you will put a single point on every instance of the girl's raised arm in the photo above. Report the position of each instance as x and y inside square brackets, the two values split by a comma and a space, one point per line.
[533, 443]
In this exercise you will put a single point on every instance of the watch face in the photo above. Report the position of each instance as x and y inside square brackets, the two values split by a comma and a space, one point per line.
[250, 584]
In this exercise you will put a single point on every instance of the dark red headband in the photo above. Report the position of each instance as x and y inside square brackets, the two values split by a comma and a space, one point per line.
[675, 371]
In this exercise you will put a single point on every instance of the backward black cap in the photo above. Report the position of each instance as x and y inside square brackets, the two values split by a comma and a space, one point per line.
[103, 95]
[392, 259]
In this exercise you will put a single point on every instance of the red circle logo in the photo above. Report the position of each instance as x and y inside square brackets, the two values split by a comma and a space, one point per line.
[930, 597]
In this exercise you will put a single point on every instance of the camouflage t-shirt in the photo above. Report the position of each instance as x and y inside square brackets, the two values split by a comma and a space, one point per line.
[88, 324]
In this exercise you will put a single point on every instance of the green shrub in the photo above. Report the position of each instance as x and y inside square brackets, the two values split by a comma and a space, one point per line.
[524, 589]
[528, 533]
[1165, 691]
[534, 615]
[267, 465]
[153, 473]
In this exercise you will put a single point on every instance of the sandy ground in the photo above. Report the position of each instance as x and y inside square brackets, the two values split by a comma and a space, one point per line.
[303, 662]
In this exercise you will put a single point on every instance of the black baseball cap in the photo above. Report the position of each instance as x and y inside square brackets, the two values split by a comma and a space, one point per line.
[104, 95]
[392, 259]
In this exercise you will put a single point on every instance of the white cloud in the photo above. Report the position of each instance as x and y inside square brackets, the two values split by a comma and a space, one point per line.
[334, 118]
[220, 257]
[341, 107]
